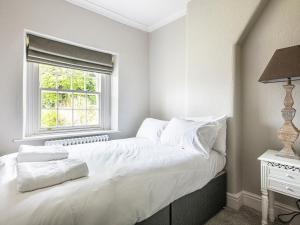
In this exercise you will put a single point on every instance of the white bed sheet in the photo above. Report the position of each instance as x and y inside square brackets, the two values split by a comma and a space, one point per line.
[130, 180]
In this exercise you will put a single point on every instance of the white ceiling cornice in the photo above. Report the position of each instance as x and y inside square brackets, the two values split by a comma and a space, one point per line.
[166, 21]
[108, 13]
[97, 8]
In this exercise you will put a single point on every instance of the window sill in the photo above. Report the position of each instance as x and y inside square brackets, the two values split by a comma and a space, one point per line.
[65, 135]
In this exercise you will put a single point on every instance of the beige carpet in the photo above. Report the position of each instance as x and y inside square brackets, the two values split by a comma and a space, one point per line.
[245, 216]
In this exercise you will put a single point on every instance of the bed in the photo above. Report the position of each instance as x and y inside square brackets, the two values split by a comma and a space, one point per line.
[131, 181]
[195, 208]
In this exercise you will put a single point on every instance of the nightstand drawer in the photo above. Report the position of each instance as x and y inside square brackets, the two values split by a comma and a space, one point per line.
[285, 187]
[282, 174]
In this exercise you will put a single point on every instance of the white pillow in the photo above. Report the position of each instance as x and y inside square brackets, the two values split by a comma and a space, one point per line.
[189, 134]
[152, 129]
[201, 139]
[220, 143]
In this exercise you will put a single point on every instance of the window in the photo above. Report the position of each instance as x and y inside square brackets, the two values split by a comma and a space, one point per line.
[68, 88]
[67, 99]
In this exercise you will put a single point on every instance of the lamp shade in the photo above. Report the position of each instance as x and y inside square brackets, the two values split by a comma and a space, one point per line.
[284, 64]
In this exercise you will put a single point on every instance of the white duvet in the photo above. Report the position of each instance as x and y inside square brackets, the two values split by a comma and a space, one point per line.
[129, 180]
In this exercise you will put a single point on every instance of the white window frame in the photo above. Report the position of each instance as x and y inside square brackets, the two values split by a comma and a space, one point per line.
[33, 107]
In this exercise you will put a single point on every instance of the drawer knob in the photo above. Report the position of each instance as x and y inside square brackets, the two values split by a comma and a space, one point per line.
[289, 176]
[289, 189]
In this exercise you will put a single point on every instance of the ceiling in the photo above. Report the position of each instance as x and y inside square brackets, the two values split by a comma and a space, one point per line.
[147, 15]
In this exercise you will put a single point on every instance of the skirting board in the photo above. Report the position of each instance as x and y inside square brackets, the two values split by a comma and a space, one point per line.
[235, 201]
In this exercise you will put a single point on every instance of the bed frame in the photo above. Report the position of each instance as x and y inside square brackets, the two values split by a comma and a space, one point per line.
[195, 208]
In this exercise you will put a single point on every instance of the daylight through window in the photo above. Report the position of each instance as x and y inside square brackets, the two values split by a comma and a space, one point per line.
[68, 97]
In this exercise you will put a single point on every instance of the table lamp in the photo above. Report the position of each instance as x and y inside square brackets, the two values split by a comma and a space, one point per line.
[284, 66]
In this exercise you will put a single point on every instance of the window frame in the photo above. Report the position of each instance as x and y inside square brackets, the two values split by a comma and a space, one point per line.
[33, 106]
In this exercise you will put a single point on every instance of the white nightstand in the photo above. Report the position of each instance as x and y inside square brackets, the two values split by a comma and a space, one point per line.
[278, 174]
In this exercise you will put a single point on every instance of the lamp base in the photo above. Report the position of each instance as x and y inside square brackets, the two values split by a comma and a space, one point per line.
[288, 133]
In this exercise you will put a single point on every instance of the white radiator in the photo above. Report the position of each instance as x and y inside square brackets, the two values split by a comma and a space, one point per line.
[78, 141]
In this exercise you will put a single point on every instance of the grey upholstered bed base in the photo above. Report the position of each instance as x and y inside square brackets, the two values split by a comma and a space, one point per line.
[195, 208]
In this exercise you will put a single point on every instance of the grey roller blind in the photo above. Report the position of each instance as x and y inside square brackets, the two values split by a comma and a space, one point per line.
[42, 50]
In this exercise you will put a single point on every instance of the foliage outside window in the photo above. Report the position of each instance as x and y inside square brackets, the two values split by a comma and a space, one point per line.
[69, 98]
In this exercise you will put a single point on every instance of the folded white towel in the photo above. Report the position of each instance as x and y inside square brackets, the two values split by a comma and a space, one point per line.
[35, 175]
[28, 153]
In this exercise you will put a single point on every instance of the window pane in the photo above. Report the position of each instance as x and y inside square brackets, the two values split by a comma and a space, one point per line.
[64, 81]
[47, 76]
[72, 101]
[91, 82]
[64, 100]
[48, 118]
[92, 101]
[48, 100]
[79, 101]
[79, 118]
[78, 80]
[64, 118]
[92, 117]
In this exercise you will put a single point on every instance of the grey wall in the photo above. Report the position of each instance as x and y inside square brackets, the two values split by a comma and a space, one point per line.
[167, 70]
[63, 20]
[277, 27]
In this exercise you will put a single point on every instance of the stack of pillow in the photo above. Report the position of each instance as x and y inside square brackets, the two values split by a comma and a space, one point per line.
[202, 134]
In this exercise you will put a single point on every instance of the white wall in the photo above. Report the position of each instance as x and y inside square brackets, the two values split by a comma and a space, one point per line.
[229, 43]
[208, 83]
[277, 27]
[214, 28]
[63, 20]
[167, 70]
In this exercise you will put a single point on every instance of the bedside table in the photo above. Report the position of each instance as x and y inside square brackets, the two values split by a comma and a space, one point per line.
[278, 174]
